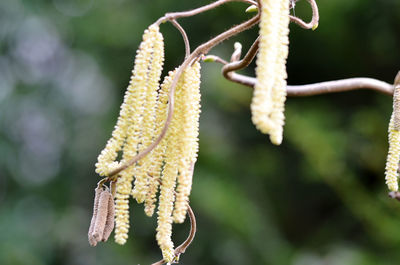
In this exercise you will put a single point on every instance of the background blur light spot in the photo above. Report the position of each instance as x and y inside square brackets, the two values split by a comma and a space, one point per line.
[73, 7]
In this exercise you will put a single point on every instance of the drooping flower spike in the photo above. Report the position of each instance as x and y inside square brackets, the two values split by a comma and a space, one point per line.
[180, 155]
[393, 158]
[267, 105]
[135, 127]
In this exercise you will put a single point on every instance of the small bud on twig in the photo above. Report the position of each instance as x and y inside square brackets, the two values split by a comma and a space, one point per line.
[252, 9]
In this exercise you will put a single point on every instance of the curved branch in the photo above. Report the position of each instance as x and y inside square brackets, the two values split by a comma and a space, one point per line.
[182, 247]
[176, 15]
[323, 87]
[227, 70]
[313, 24]
[184, 36]
[340, 86]
[193, 228]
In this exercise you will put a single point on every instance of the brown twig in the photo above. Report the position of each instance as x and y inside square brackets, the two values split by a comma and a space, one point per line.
[182, 247]
[193, 12]
[313, 24]
[306, 90]
[325, 87]
[184, 36]
[340, 86]
[228, 69]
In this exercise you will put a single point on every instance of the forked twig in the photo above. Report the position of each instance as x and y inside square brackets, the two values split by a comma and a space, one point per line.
[228, 69]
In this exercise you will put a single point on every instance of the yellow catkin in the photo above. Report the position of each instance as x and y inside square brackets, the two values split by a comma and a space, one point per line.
[122, 210]
[132, 99]
[132, 108]
[188, 136]
[168, 179]
[279, 88]
[392, 163]
[269, 94]
[149, 123]
[157, 156]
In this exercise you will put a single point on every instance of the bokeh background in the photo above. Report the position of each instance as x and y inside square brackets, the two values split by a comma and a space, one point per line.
[318, 199]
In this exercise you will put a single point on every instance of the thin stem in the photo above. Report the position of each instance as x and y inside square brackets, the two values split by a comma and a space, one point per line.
[189, 13]
[182, 247]
[311, 89]
[184, 36]
[313, 24]
[324, 87]
[198, 52]
[193, 228]
[340, 86]
[227, 70]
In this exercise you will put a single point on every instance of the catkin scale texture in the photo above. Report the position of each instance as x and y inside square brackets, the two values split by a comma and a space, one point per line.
[392, 162]
[188, 136]
[149, 119]
[168, 181]
[269, 96]
[180, 154]
[158, 154]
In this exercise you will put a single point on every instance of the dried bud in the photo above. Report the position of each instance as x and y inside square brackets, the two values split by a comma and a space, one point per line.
[102, 222]
[101, 217]
[109, 226]
[92, 240]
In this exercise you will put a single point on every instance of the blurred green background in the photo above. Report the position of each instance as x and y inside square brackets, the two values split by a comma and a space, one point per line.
[318, 199]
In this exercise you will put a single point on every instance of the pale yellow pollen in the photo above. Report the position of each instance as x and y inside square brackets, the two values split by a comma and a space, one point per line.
[270, 91]
[122, 208]
[149, 119]
[189, 114]
[135, 124]
[158, 154]
[393, 158]
[130, 109]
[168, 180]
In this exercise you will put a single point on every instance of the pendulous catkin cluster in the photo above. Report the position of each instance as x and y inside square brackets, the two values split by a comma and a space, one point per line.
[181, 146]
[269, 96]
[168, 168]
